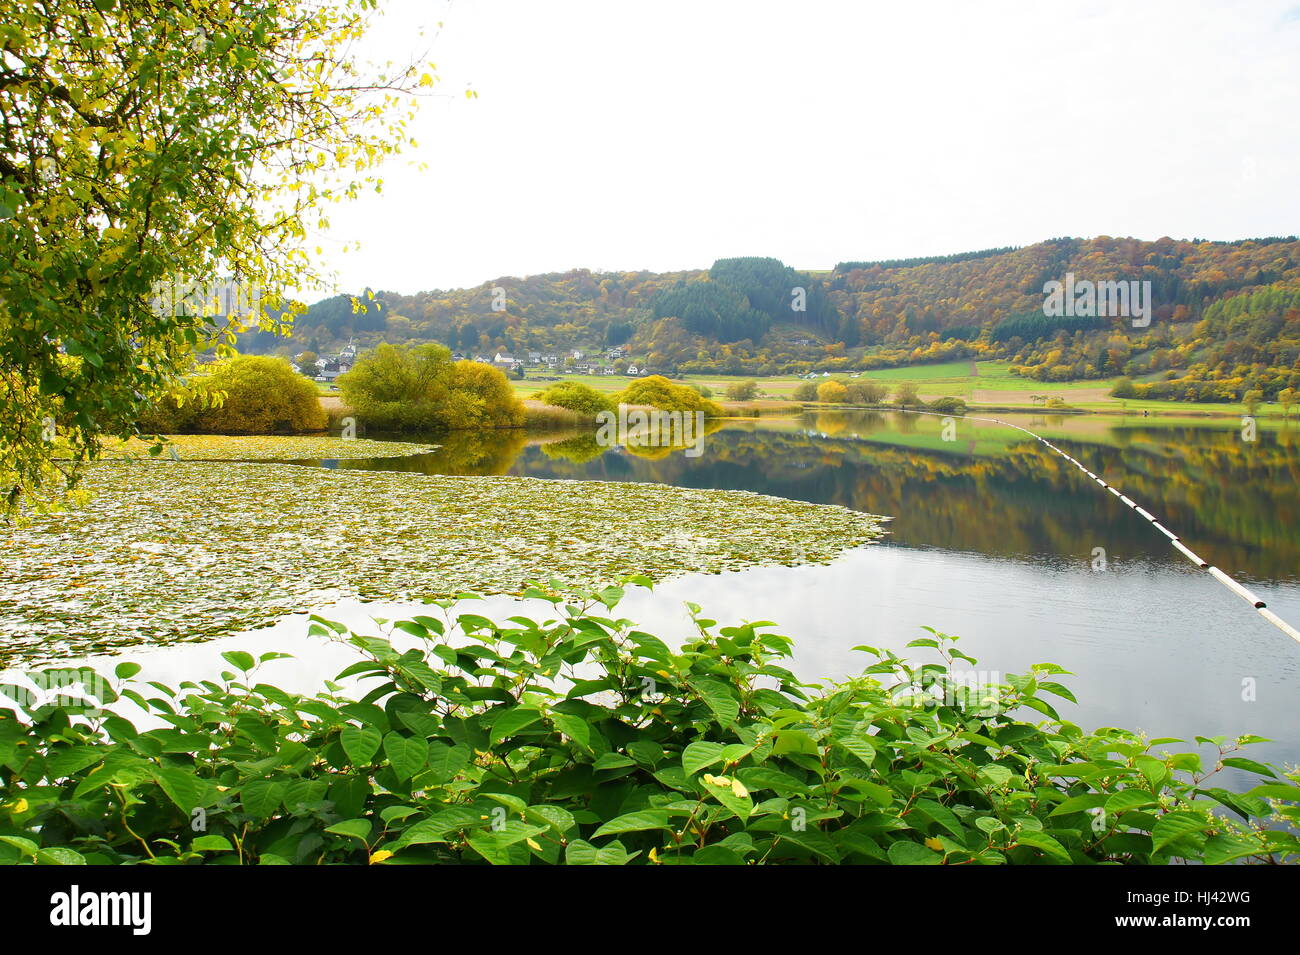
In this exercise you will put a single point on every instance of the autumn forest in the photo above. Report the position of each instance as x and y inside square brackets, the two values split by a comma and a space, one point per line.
[1226, 317]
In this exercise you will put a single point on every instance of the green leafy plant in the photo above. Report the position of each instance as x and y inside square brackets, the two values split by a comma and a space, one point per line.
[582, 739]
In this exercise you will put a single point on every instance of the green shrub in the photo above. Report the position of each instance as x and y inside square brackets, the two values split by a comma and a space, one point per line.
[469, 747]
[578, 397]
[905, 395]
[658, 392]
[948, 405]
[422, 389]
[865, 392]
[742, 391]
[806, 391]
[1124, 389]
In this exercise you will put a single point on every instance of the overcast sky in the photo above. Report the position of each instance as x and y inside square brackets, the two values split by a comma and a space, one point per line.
[664, 135]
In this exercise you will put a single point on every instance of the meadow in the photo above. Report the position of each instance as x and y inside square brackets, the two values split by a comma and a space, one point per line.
[984, 384]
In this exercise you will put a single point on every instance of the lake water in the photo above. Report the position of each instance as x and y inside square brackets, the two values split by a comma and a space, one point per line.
[993, 538]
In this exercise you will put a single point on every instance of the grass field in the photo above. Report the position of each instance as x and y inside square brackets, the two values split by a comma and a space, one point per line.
[985, 384]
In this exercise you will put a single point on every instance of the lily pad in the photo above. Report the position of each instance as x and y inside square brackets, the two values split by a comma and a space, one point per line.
[261, 447]
[170, 551]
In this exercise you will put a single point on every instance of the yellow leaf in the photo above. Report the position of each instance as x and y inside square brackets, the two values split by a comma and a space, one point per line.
[20, 806]
[380, 856]
[934, 844]
[532, 844]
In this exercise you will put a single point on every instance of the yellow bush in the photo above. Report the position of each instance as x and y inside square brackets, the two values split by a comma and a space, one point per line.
[657, 391]
[248, 394]
[832, 392]
[258, 395]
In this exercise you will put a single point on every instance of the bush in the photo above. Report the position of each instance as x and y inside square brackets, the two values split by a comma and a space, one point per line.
[482, 397]
[948, 405]
[742, 391]
[905, 395]
[832, 392]
[866, 392]
[422, 389]
[1124, 389]
[248, 394]
[806, 391]
[576, 397]
[658, 392]
[464, 751]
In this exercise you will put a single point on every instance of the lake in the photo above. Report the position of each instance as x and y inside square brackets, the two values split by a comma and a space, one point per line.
[993, 538]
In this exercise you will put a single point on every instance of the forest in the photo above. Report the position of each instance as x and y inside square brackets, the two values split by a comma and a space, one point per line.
[1226, 315]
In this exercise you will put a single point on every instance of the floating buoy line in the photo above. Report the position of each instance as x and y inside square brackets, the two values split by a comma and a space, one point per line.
[1245, 594]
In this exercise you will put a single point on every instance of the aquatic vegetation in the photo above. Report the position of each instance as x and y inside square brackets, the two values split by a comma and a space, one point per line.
[581, 739]
[169, 551]
[219, 447]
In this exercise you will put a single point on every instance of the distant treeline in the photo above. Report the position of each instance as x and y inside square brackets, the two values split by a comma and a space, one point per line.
[1223, 312]
[925, 260]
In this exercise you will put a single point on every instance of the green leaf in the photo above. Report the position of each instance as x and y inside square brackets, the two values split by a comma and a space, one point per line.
[262, 797]
[59, 855]
[1044, 842]
[1080, 803]
[1175, 825]
[1250, 765]
[181, 786]
[720, 698]
[240, 659]
[212, 843]
[634, 822]
[574, 727]
[717, 855]
[512, 721]
[1127, 799]
[859, 746]
[361, 743]
[25, 846]
[913, 853]
[1228, 847]
[352, 828]
[700, 755]
[813, 841]
[406, 754]
[445, 761]
[581, 852]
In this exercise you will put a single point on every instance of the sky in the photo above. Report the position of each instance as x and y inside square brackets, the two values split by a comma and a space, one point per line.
[664, 135]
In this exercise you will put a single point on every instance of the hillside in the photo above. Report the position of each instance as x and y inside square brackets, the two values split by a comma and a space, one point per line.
[1225, 316]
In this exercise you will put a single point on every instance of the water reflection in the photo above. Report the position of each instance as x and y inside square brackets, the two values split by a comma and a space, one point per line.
[992, 490]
